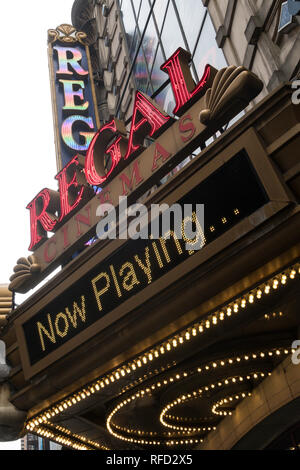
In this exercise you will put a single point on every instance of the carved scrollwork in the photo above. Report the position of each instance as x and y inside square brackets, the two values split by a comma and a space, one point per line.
[25, 269]
[67, 34]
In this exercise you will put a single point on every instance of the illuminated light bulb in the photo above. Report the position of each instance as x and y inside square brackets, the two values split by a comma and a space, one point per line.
[207, 324]
[201, 329]
[123, 372]
[229, 311]
[293, 274]
[283, 279]
[251, 298]
[236, 308]
[150, 357]
[168, 347]
[174, 343]
[139, 364]
[145, 360]
[243, 303]
[222, 316]
[259, 294]
[194, 332]
[162, 350]
[267, 289]
[187, 336]
[275, 284]
[278, 352]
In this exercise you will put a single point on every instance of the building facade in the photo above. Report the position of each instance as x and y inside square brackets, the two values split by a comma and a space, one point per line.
[144, 344]
[263, 36]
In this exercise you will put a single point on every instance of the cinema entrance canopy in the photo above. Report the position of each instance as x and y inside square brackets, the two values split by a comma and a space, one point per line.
[141, 344]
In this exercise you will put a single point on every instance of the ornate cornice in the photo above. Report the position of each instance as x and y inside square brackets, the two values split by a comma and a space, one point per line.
[66, 33]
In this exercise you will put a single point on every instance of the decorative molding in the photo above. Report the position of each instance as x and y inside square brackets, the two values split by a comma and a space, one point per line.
[66, 33]
[253, 30]
[224, 31]
[25, 269]
[233, 87]
[249, 56]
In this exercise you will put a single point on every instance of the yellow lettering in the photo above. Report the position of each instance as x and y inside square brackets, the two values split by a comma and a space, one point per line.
[98, 293]
[157, 254]
[130, 280]
[113, 273]
[81, 311]
[63, 317]
[199, 235]
[164, 245]
[42, 330]
[145, 267]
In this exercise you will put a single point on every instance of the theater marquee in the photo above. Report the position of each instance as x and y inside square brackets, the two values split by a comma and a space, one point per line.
[70, 213]
[121, 273]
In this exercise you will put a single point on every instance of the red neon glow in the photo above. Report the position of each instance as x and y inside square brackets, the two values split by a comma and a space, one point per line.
[184, 88]
[91, 173]
[152, 121]
[41, 221]
[66, 188]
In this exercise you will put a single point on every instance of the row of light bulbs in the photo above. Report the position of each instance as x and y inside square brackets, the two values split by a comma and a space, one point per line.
[166, 347]
[219, 364]
[228, 401]
[183, 399]
[182, 429]
[65, 441]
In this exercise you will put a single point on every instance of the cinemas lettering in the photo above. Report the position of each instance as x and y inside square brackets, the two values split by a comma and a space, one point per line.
[139, 263]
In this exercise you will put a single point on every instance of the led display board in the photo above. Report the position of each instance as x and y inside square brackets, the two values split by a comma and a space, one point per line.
[229, 195]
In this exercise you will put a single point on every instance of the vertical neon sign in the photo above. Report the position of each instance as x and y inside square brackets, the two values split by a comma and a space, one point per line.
[75, 112]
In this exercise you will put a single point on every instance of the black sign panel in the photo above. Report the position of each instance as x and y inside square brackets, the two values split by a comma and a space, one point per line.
[229, 195]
